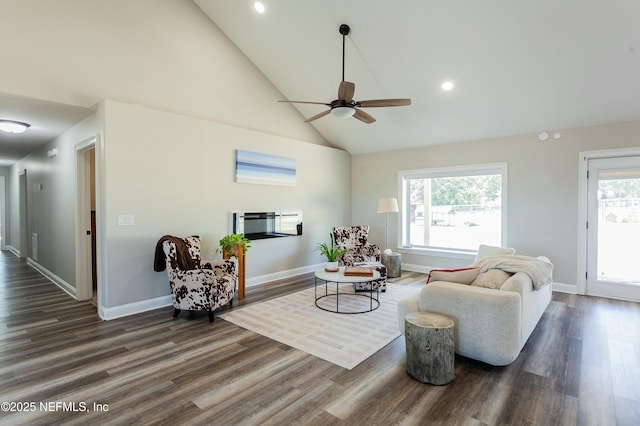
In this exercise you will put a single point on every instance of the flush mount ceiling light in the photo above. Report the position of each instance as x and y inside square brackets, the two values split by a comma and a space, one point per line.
[11, 126]
[447, 85]
[259, 7]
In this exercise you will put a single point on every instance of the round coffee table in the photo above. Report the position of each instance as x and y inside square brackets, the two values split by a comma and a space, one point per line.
[324, 278]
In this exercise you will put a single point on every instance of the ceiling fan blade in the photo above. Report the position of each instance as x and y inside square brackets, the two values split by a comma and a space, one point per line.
[315, 117]
[363, 116]
[306, 102]
[383, 103]
[346, 91]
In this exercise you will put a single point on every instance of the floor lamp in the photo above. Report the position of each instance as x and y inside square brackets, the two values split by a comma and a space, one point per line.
[387, 205]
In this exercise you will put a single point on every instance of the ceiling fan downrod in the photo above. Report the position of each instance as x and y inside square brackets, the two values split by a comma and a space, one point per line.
[344, 30]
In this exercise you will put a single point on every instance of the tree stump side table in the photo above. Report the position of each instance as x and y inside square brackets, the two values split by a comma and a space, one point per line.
[393, 263]
[430, 347]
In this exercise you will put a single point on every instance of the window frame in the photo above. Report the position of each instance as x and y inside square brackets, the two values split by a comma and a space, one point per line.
[441, 172]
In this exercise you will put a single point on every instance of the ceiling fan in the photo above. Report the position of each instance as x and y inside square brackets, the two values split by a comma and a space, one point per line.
[345, 106]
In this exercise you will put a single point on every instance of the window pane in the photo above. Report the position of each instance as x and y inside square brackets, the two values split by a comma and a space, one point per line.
[459, 212]
[619, 226]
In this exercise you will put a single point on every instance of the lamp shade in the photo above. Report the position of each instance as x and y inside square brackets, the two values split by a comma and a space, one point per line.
[388, 205]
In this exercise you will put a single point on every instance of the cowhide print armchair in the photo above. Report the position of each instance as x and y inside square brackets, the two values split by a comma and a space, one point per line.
[209, 285]
[361, 252]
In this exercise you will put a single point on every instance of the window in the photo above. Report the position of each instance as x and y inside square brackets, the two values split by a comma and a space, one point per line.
[455, 208]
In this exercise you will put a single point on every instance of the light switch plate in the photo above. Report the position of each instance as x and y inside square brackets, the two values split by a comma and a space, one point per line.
[125, 220]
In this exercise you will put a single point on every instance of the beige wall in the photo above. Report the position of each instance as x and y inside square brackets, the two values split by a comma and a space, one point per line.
[176, 174]
[51, 201]
[542, 188]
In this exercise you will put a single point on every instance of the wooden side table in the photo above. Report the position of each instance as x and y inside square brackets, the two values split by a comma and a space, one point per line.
[430, 347]
[393, 262]
[241, 269]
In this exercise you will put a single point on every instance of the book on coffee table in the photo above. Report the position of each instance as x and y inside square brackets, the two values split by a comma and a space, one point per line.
[358, 271]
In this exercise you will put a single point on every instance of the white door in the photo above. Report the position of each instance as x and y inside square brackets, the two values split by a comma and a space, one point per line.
[613, 227]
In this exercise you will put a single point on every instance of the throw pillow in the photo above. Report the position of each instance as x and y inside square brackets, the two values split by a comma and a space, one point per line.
[493, 278]
[488, 251]
[461, 276]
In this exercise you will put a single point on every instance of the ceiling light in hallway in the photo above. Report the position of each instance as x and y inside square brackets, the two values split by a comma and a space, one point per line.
[11, 126]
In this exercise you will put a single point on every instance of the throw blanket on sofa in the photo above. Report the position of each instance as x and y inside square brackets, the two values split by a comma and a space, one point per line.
[538, 269]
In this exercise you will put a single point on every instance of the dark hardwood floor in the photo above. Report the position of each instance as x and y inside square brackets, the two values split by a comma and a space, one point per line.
[581, 366]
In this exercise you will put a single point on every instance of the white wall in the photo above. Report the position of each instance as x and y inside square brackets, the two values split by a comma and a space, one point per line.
[542, 188]
[175, 174]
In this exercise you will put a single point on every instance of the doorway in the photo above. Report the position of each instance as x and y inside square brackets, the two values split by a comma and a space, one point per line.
[613, 227]
[87, 221]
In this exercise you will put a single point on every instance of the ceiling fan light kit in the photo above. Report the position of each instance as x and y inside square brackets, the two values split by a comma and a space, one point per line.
[345, 106]
[342, 112]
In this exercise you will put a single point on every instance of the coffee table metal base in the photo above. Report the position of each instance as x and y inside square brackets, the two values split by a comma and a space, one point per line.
[374, 302]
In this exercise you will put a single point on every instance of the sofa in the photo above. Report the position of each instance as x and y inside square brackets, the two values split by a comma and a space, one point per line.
[494, 320]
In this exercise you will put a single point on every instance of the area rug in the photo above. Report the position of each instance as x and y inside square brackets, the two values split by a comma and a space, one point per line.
[342, 339]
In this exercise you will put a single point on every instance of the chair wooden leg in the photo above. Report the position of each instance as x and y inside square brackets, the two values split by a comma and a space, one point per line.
[176, 312]
[210, 316]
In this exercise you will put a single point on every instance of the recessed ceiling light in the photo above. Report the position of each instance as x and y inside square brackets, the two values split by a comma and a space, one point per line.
[447, 85]
[259, 7]
[543, 136]
[11, 126]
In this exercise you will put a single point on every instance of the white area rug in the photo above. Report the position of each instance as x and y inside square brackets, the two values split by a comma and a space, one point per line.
[342, 339]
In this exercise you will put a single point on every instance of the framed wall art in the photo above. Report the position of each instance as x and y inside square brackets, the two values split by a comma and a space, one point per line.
[265, 169]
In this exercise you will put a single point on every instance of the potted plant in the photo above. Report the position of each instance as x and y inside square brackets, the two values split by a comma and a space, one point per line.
[332, 253]
[229, 244]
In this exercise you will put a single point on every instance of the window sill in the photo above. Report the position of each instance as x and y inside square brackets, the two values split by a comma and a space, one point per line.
[448, 253]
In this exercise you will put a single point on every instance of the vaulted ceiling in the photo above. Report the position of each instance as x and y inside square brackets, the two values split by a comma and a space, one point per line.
[517, 67]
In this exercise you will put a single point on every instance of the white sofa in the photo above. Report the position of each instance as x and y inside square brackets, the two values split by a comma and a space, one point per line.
[491, 325]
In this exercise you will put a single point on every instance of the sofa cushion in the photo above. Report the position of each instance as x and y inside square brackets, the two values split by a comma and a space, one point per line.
[493, 278]
[485, 251]
[461, 275]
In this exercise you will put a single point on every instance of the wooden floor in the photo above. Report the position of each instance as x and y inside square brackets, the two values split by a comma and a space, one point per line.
[581, 366]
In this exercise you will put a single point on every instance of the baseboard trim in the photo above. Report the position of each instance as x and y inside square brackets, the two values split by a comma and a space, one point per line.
[263, 279]
[416, 268]
[565, 288]
[13, 250]
[65, 286]
[134, 308]
[163, 301]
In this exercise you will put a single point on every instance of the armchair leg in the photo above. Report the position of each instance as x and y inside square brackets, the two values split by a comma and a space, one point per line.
[176, 312]
[210, 316]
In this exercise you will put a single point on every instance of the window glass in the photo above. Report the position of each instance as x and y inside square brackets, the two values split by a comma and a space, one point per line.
[454, 208]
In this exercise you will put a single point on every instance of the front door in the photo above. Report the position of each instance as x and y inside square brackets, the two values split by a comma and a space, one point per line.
[613, 234]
